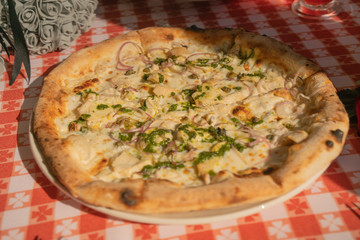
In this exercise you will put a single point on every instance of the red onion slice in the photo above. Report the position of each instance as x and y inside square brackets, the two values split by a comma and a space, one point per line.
[294, 79]
[251, 144]
[167, 64]
[112, 136]
[133, 130]
[146, 61]
[249, 88]
[128, 88]
[190, 155]
[169, 146]
[144, 56]
[217, 57]
[279, 108]
[142, 111]
[184, 70]
[137, 110]
[257, 137]
[125, 67]
[146, 126]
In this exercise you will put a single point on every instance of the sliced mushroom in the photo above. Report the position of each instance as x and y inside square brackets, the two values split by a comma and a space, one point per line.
[297, 136]
[222, 176]
[126, 164]
[284, 109]
[162, 90]
[154, 77]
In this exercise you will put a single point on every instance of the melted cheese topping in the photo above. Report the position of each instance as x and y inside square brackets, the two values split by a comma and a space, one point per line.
[183, 114]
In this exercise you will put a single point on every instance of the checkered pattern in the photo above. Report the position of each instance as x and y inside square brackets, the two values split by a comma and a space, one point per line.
[31, 207]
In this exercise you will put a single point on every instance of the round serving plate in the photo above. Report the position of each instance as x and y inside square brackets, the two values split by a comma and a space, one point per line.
[194, 217]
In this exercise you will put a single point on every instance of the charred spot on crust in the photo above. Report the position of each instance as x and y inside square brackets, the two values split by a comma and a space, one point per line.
[170, 37]
[329, 143]
[100, 165]
[129, 198]
[195, 28]
[238, 109]
[86, 84]
[338, 135]
[268, 170]
[258, 62]
[46, 139]
[249, 173]
[313, 111]
[235, 110]
[236, 199]
[243, 113]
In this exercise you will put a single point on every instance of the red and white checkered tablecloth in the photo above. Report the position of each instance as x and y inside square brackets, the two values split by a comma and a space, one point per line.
[31, 207]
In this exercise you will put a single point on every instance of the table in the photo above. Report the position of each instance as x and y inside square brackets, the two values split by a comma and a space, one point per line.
[31, 207]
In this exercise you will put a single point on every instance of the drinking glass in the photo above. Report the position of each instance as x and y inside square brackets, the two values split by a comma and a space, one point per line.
[316, 9]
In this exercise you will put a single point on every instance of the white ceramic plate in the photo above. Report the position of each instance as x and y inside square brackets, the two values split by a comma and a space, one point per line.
[196, 217]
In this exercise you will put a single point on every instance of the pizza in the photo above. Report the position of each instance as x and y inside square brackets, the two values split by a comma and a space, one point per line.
[173, 120]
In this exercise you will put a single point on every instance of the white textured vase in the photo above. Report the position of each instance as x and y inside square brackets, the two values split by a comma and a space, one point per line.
[50, 25]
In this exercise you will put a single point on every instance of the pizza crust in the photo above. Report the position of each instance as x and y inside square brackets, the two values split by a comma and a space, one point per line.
[329, 126]
[162, 196]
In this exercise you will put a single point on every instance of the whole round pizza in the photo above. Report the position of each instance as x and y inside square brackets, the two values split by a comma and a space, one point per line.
[174, 120]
